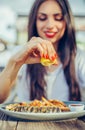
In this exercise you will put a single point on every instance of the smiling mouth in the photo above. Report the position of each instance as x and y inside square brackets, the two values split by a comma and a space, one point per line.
[50, 34]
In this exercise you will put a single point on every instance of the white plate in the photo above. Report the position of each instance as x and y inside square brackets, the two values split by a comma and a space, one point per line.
[44, 116]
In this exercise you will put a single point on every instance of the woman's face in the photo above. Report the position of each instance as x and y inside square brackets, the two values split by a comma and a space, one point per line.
[50, 23]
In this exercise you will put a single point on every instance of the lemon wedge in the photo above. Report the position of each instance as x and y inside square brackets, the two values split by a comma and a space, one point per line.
[47, 62]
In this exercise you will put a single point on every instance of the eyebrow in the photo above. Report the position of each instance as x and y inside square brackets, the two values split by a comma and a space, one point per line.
[53, 14]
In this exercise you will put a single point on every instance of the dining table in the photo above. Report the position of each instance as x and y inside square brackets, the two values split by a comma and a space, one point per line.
[10, 123]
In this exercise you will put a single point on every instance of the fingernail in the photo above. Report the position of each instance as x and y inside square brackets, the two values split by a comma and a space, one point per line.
[47, 56]
[52, 58]
[55, 55]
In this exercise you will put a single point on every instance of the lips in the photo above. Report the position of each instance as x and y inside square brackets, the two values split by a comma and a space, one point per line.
[50, 34]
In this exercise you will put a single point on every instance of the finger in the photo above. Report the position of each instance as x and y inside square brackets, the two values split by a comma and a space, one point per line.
[51, 50]
[32, 60]
[34, 47]
[43, 45]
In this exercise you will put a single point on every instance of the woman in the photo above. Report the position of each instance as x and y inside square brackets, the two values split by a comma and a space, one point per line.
[50, 33]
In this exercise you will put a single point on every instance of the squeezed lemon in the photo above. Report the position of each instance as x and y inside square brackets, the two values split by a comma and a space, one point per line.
[47, 62]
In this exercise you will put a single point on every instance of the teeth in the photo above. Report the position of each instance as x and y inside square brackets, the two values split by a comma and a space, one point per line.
[50, 33]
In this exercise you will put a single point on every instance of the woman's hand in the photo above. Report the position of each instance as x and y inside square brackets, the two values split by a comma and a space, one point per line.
[32, 52]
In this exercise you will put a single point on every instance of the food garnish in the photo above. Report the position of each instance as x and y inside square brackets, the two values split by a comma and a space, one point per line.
[48, 62]
[39, 106]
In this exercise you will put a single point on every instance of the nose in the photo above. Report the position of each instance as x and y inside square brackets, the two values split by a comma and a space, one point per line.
[50, 23]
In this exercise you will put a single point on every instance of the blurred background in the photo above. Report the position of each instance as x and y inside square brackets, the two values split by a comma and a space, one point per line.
[13, 25]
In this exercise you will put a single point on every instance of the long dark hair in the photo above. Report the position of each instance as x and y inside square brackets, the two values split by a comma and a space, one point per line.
[66, 50]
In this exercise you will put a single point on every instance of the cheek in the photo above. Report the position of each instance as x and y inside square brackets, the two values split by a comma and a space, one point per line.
[38, 26]
[62, 26]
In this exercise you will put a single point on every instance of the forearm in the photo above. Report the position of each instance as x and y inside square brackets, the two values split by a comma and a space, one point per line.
[7, 79]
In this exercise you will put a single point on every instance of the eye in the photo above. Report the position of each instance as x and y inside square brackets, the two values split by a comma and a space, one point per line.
[42, 17]
[59, 17]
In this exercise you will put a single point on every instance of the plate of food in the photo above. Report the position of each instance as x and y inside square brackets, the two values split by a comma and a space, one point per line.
[41, 110]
